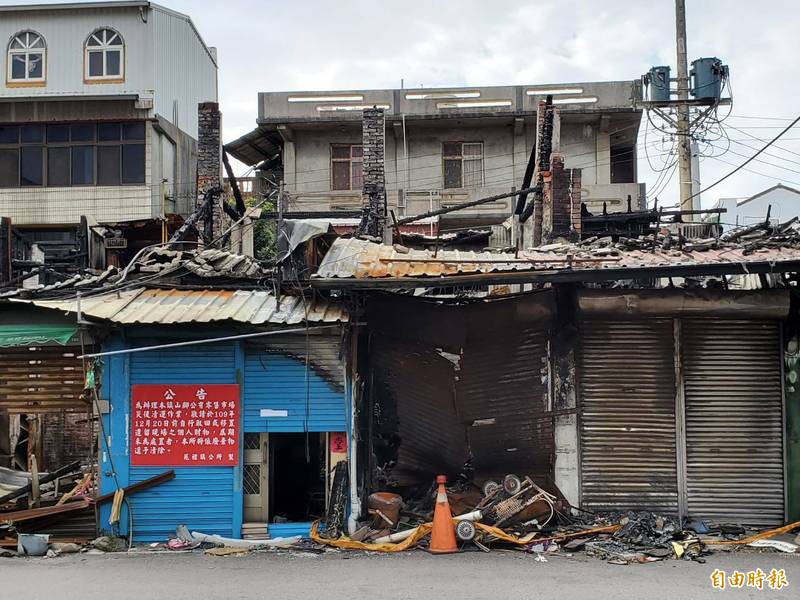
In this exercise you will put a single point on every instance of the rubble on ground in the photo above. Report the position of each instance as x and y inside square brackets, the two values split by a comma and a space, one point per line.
[515, 513]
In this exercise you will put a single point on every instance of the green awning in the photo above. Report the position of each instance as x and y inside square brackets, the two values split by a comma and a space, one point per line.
[33, 334]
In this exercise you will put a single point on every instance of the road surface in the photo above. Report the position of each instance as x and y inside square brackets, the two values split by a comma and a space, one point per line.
[416, 574]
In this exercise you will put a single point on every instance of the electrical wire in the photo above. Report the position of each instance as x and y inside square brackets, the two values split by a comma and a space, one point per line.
[741, 166]
[754, 172]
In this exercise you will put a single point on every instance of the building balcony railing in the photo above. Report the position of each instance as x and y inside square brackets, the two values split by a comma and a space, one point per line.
[418, 201]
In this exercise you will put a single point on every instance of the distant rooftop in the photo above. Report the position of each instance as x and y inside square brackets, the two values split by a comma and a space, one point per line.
[284, 107]
[120, 4]
[76, 5]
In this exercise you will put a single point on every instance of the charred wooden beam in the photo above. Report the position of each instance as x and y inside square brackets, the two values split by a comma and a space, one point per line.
[26, 489]
[740, 233]
[140, 486]
[231, 212]
[322, 214]
[237, 194]
[199, 213]
[463, 205]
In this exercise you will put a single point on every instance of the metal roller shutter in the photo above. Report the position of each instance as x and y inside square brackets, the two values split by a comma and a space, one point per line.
[199, 497]
[734, 416]
[627, 391]
[276, 378]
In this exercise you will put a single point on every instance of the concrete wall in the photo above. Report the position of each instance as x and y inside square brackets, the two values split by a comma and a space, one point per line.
[416, 182]
[174, 160]
[585, 148]
[282, 107]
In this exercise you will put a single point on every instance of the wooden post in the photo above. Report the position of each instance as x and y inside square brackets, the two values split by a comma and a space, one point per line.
[33, 501]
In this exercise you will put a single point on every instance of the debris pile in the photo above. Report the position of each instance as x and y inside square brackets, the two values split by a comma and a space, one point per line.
[35, 504]
[31, 502]
[516, 513]
[666, 240]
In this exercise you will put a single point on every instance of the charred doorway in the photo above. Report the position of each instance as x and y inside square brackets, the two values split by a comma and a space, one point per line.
[297, 477]
[459, 387]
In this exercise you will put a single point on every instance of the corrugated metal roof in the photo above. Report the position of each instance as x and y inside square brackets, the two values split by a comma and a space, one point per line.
[255, 146]
[359, 259]
[206, 263]
[157, 306]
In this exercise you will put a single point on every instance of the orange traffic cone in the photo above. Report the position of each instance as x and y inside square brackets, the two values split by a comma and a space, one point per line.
[443, 535]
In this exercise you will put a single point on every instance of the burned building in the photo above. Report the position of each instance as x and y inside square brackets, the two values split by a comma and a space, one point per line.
[641, 397]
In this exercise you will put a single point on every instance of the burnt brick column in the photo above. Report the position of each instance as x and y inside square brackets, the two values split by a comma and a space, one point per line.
[209, 164]
[562, 201]
[373, 127]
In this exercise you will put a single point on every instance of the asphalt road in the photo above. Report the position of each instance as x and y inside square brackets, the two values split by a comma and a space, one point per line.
[416, 574]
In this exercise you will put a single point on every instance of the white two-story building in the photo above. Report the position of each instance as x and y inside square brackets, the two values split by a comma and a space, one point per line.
[445, 146]
[98, 116]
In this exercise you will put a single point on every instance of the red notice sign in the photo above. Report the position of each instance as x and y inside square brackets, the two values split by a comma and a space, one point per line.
[338, 443]
[184, 425]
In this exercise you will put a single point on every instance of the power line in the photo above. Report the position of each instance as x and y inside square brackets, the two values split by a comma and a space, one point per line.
[754, 172]
[741, 166]
[751, 136]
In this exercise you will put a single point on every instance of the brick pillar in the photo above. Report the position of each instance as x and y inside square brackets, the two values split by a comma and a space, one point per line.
[561, 211]
[209, 163]
[373, 127]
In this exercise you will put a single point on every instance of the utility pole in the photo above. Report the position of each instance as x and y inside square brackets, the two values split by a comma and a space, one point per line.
[682, 129]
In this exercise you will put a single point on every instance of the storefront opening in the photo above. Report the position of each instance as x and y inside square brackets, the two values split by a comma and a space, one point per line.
[297, 479]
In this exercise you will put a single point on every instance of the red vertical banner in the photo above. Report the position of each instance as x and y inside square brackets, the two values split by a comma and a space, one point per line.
[180, 425]
[338, 443]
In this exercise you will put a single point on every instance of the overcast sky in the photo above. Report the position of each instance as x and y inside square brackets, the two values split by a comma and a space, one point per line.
[265, 45]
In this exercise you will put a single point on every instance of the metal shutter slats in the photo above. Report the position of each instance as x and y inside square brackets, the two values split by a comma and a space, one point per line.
[734, 431]
[627, 381]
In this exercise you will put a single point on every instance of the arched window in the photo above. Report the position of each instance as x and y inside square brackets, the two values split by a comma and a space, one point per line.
[26, 58]
[105, 55]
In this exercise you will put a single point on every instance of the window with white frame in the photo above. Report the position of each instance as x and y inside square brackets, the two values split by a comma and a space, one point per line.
[26, 58]
[462, 164]
[346, 166]
[105, 55]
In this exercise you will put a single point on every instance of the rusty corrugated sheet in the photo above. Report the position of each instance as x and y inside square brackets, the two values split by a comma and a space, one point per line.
[359, 259]
[627, 404]
[41, 379]
[160, 306]
[734, 421]
[460, 381]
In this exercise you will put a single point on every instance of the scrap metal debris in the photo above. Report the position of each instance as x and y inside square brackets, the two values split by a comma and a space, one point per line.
[515, 513]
